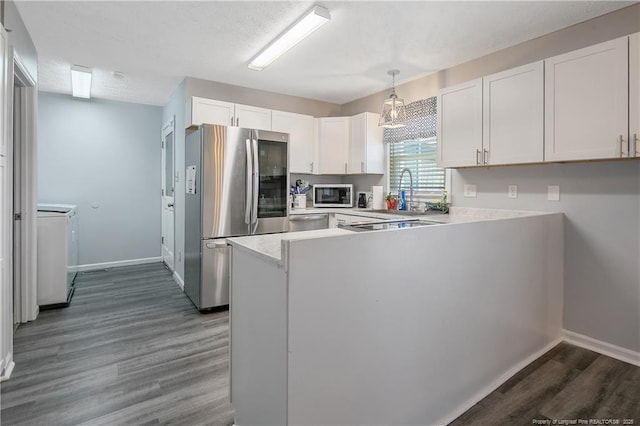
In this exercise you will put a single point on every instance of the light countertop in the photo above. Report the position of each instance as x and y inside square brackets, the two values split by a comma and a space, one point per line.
[270, 245]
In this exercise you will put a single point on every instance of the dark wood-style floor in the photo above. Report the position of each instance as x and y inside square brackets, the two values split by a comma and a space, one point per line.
[132, 349]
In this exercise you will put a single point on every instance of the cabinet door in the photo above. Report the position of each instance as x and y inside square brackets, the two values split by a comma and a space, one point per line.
[209, 111]
[634, 94]
[460, 125]
[586, 103]
[366, 150]
[251, 117]
[301, 134]
[333, 145]
[513, 115]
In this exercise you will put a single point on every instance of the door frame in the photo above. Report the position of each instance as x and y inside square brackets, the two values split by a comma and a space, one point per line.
[168, 128]
[27, 304]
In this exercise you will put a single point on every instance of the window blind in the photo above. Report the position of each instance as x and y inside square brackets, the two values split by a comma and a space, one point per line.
[414, 147]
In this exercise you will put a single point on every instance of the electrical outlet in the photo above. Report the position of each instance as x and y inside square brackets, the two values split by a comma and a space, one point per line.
[470, 191]
[513, 191]
[553, 193]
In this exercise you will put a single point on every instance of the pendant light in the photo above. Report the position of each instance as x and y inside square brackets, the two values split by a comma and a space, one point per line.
[393, 114]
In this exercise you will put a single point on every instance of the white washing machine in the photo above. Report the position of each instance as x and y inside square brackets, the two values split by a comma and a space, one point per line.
[57, 254]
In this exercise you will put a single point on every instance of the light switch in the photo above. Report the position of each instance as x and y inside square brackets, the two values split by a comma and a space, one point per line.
[553, 193]
[513, 191]
[470, 191]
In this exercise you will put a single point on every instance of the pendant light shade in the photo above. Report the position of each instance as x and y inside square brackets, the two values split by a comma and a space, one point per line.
[393, 113]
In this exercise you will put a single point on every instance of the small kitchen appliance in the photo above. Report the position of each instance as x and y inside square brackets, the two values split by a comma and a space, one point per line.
[333, 195]
[362, 200]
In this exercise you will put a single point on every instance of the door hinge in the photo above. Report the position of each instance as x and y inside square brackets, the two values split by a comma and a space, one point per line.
[162, 190]
[162, 240]
[162, 144]
[17, 216]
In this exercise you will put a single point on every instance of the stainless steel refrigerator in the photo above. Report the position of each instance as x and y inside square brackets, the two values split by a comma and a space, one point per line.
[236, 184]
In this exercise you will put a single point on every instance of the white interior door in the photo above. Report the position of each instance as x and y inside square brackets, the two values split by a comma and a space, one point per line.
[168, 186]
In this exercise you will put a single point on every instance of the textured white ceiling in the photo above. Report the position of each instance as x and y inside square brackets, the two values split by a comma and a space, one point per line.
[156, 44]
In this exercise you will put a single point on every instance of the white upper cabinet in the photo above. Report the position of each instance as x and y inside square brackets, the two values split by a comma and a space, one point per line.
[634, 95]
[333, 144]
[301, 131]
[586, 103]
[460, 125]
[366, 151]
[251, 117]
[513, 116]
[210, 111]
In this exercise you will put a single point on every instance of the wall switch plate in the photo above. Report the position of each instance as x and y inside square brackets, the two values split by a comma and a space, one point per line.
[470, 191]
[553, 193]
[513, 191]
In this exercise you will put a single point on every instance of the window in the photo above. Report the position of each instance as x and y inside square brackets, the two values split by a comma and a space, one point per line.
[414, 147]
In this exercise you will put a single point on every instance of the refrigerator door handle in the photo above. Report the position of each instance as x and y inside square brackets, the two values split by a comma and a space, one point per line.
[249, 185]
[256, 177]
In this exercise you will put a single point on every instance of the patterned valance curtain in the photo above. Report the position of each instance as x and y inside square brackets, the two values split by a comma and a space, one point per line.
[421, 122]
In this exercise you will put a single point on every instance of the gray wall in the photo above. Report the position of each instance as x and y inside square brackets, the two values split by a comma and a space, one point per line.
[601, 200]
[107, 153]
[20, 39]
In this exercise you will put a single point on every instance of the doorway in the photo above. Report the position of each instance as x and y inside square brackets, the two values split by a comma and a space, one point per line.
[168, 196]
[24, 212]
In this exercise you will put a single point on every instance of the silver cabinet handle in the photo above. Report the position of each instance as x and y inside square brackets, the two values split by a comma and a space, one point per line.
[311, 167]
[477, 157]
[622, 153]
[345, 168]
[635, 145]
[216, 244]
[237, 121]
[232, 121]
[362, 166]
[485, 156]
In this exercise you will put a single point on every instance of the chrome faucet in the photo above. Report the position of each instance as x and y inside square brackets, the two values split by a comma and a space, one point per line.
[410, 206]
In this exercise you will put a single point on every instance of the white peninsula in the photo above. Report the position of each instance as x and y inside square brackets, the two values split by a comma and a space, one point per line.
[406, 326]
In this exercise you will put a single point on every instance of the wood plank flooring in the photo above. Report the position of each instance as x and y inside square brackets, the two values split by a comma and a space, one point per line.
[132, 349]
[566, 383]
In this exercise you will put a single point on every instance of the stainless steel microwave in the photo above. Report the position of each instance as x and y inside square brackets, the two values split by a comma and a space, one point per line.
[333, 195]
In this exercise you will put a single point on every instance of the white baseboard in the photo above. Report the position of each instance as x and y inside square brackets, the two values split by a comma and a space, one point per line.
[604, 348]
[178, 280]
[7, 371]
[94, 266]
[462, 408]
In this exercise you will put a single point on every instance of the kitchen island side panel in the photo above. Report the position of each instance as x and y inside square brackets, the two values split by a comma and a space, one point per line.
[258, 330]
[414, 326]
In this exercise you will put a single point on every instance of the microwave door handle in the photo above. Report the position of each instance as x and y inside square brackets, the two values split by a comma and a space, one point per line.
[256, 177]
[249, 185]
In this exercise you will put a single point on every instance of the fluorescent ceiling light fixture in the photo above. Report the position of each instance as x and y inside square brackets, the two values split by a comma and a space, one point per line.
[80, 82]
[308, 23]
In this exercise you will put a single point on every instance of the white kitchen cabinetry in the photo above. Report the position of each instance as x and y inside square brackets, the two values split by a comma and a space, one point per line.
[586, 103]
[513, 116]
[210, 111]
[301, 131]
[251, 117]
[333, 145]
[460, 125]
[634, 95]
[366, 151]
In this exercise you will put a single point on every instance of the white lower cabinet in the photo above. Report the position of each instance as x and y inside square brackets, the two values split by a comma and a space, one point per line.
[301, 131]
[586, 103]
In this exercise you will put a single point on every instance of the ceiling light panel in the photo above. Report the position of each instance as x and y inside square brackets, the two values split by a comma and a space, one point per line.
[308, 23]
